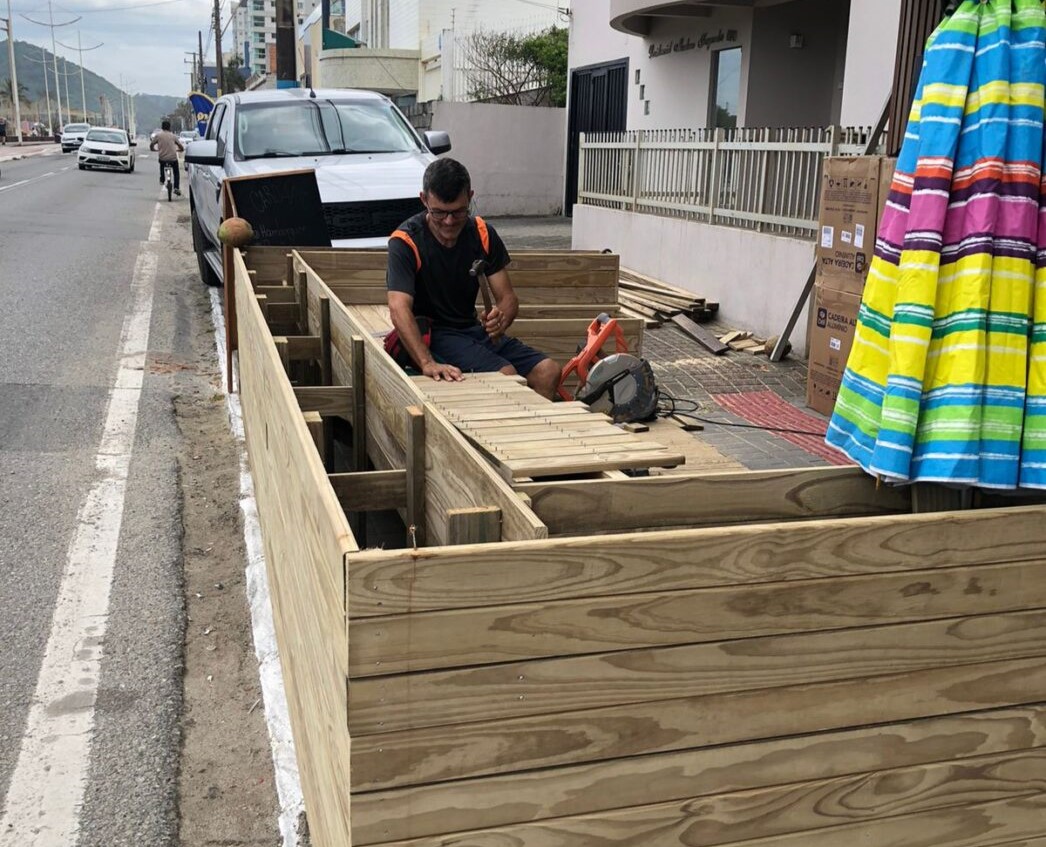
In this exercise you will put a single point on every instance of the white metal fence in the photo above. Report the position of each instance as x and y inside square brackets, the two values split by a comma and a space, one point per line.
[754, 178]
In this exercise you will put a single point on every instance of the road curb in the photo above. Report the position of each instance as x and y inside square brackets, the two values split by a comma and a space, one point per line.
[22, 153]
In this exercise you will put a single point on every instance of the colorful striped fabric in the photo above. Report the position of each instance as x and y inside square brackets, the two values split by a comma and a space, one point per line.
[946, 381]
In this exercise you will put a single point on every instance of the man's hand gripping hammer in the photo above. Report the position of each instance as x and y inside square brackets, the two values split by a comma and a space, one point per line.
[479, 271]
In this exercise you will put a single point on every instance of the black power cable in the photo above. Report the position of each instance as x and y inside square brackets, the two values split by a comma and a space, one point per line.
[670, 406]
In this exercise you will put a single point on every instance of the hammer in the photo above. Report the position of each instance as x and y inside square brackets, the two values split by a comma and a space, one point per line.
[479, 271]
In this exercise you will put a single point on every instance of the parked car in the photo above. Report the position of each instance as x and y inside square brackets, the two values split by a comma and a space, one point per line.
[187, 135]
[369, 161]
[73, 136]
[107, 148]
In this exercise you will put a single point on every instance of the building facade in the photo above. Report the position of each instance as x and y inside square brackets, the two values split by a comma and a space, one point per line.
[694, 71]
[256, 41]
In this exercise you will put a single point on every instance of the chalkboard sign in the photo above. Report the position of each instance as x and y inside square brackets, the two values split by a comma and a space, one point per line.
[283, 209]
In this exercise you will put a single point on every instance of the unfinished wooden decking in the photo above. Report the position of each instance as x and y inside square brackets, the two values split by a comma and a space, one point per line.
[775, 658]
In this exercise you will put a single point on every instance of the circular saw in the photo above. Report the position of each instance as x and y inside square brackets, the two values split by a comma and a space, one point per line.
[622, 386]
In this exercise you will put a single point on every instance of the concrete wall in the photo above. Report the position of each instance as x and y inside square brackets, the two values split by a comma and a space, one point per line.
[514, 154]
[392, 72]
[790, 86]
[870, 58]
[755, 278]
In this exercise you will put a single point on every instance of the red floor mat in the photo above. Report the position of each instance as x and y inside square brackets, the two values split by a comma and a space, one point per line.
[765, 408]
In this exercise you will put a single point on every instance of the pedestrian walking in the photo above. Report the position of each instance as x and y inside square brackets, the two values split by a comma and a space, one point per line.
[3, 131]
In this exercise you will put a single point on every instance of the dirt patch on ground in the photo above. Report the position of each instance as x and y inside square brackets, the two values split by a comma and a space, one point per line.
[226, 785]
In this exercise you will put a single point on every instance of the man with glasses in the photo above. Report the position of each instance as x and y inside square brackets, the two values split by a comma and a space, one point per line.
[430, 257]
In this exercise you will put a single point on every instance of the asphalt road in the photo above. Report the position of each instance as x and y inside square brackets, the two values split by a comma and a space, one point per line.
[76, 263]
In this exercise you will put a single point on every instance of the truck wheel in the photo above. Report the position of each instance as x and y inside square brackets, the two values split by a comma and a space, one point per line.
[199, 244]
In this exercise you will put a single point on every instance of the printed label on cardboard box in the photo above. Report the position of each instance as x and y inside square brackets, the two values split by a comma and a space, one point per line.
[846, 237]
[859, 236]
[827, 237]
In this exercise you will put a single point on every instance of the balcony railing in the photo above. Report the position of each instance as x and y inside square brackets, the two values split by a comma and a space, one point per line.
[753, 178]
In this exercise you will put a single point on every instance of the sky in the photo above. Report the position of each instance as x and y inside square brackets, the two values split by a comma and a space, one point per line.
[144, 41]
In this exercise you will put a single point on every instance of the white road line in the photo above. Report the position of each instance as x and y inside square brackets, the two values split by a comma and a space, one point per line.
[46, 791]
[28, 181]
[274, 696]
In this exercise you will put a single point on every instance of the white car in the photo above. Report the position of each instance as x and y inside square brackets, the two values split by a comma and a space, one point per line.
[73, 136]
[107, 148]
[368, 159]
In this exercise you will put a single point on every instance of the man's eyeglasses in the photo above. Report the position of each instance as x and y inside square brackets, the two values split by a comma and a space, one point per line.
[444, 214]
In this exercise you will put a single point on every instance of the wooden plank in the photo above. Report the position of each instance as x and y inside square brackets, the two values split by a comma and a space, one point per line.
[413, 812]
[359, 404]
[301, 348]
[282, 313]
[587, 506]
[701, 335]
[414, 757]
[520, 689]
[306, 538]
[328, 400]
[326, 368]
[370, 491]
[461, 637]
[387, 582]
[314, 423]
[597, 461]
[280, 343]
[789, 810]
[478, 525]
[276, 293]
[417, 488]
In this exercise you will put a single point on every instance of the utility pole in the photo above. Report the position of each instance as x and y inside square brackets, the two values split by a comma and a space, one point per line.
[65, 76]
[218, 45]
[80, 49]
[14, 73]
[286, 72]
[54, 52]
[201, 79]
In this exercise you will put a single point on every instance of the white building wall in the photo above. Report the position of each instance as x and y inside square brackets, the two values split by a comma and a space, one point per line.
[755, 278]
[513, 153]
[870, 56]
[403, 25]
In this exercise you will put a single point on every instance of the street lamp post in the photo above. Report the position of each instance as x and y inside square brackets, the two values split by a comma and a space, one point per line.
[80, 49]
[54, 52]
[14, 73]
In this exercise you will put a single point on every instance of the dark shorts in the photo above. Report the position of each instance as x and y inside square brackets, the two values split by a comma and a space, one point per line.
[472, 351]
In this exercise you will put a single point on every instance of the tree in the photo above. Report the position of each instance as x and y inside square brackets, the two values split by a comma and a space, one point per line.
[7, 95]
[504, 67]
[233, 79]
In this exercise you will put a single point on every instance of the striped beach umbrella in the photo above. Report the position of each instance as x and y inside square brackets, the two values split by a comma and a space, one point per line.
[946, 381]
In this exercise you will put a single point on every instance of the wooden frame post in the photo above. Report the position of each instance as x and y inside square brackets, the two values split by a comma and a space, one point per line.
[479, 525]
[416, 475]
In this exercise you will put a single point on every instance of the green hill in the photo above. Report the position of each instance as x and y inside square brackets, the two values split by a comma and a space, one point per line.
[149, 108]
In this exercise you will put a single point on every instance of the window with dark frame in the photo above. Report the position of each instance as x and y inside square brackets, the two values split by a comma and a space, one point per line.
[726, 88]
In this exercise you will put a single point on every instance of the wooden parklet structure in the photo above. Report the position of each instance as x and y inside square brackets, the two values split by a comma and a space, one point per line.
[772, 658]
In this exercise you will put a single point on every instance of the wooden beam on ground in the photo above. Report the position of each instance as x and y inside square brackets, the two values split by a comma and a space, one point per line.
[328, 400]
[416, 475]
[370, 491]
[701, 335]
[479, 525]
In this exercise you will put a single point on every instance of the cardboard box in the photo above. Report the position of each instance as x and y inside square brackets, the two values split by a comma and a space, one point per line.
[833, 322]
[854, 190]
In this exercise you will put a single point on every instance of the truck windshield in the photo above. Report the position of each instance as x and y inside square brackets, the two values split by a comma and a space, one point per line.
[320, 128]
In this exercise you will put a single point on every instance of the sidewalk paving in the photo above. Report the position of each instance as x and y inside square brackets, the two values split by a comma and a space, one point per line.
[746, 391]
[13, 150]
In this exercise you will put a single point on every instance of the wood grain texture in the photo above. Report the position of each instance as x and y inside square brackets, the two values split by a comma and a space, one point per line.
[328, 400]
[520, 689]
[591, 506]
[789, 810]
[480, 525]
[370, 491]
[390, 582]
[487, 802]
[465, 637]
[416, 757]
[306, 538]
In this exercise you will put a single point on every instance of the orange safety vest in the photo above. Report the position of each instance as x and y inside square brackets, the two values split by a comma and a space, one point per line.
[481, 228]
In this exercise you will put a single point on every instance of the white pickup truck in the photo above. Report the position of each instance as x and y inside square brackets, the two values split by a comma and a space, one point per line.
[369, 161]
